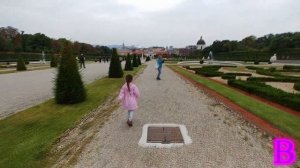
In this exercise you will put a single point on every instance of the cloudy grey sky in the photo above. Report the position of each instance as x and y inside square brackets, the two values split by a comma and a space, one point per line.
[151, 22]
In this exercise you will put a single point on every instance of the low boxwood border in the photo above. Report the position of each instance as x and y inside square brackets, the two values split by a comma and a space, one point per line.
[291, 67]
[228, 76]
[297, 86]
[268, 92]
[275, 79]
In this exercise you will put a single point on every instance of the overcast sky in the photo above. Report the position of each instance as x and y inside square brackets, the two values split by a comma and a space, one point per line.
[151, 22]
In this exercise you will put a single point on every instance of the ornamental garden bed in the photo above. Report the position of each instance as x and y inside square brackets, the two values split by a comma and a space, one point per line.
[272, 86]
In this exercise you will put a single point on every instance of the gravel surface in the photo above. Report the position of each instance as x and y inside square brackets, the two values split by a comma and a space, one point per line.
[285, 86]
[25, 89]
[220, 137]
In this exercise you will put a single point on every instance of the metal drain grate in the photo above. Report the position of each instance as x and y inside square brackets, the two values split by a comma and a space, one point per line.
[164, 135]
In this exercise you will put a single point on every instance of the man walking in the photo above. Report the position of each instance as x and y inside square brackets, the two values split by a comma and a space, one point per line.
[81, 61]
[159, 62]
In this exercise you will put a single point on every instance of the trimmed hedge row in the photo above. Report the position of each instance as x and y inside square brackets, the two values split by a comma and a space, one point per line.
[275, 79]
[289, 70]
[291, 67]
[268, 92]
[268, 72]
[297, 86]
[258, 56]
[209, 71]
[253, 67]
[187, 67]
[13, 57]
[233, 75]
[240, 74]
[228, 76]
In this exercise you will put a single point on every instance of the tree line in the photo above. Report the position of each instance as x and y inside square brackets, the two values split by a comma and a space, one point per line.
[270, 42]
[13, 40]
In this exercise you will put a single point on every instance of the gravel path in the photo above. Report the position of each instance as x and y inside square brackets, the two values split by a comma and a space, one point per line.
[25, 89]
[285, 86]
[220, 138]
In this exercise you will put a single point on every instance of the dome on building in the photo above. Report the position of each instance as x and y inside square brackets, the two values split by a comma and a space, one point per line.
[201, 41]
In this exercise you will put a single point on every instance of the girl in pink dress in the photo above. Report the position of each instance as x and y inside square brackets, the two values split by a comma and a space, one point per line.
[129, 94]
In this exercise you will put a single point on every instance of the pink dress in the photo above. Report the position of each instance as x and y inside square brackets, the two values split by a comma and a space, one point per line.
[129, 99]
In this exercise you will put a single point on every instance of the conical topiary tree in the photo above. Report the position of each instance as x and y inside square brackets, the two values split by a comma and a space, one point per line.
[128, 65]
[69, 88]
[115, 68]
[135, 61]
[139, 60]
[54, 61]
[147, 58]
[21, 64]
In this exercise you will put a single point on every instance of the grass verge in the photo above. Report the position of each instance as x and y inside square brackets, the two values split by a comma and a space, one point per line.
[27, 137]
[284, 121]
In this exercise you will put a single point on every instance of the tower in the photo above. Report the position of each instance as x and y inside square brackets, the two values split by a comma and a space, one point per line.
[200, 44]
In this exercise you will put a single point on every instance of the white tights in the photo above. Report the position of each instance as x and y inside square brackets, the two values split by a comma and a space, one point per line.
[130, 115]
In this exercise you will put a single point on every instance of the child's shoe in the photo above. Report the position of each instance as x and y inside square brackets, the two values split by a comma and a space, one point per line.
[129, 123]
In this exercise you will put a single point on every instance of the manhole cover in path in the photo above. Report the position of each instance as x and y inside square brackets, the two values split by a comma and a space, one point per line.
[164, 136]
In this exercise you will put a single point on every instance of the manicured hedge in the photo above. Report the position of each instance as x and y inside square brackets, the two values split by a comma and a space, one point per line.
[209, 71]
[228, 76]
[268, 92]
[268, 72]
[13, 57]
[233, 75]
[21, 64]
[240, 74]
[289, 70]
[259, 56]
[297, 86]
[291, 67]
[275, 79]
[253, 67]
[187, 67]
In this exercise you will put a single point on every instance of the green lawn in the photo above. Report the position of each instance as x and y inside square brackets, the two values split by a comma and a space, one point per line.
[284, 121]
[27, 136]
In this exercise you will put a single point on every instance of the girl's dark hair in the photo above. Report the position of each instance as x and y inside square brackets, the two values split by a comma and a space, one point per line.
[128, 80]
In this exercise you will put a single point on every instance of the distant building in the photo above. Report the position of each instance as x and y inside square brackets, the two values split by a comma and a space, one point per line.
[191, 47]
[138, 51]
[184, 52]
[200, 44]
[171, 50]
[124, 50]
